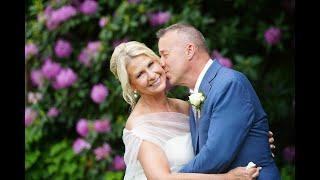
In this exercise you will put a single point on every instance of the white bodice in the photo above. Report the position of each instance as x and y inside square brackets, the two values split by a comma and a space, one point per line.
[179, 151]
[168, 130]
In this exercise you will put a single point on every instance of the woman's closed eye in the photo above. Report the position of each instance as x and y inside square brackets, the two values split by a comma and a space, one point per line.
[150, 64]
[139, 75]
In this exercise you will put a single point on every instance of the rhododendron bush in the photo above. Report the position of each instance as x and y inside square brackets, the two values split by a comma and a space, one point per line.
[74, 110]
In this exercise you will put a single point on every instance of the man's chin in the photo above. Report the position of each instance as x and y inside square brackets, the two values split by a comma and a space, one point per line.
[168, 85]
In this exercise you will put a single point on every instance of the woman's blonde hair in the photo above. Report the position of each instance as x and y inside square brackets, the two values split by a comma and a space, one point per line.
[120, 58]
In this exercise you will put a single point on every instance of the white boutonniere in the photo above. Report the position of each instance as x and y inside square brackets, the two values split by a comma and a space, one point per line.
[196, 100]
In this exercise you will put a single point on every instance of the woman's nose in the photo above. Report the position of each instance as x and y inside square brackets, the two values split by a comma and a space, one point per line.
[151, 75]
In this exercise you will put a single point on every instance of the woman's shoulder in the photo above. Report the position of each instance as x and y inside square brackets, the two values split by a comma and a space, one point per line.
[132, 118]
[181, 105]
[137, 111]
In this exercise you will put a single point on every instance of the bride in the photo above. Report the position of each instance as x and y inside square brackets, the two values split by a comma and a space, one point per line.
[156, 135]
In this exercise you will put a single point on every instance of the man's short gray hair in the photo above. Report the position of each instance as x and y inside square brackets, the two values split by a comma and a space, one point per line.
[191, 33]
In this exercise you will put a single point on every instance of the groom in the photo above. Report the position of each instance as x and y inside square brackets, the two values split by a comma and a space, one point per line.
[232, 128]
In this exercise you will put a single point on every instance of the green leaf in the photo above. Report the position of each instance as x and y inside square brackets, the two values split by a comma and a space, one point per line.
[69, 155]
[238, 58]
[113, 175]
[57, 148]
[31, 158]
[52, 168]
[69, 168]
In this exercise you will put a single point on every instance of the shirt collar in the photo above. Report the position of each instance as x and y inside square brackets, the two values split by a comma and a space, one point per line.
[200, 77]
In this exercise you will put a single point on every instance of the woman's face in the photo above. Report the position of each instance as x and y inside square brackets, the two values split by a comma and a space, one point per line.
[146, 75]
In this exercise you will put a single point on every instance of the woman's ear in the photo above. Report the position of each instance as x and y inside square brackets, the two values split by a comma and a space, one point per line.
[132, 87]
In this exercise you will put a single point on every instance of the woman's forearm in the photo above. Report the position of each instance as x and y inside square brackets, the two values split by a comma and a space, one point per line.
[156, 167]
[195, 176]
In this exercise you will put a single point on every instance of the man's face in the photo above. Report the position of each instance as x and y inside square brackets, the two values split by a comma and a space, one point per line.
[173, 56]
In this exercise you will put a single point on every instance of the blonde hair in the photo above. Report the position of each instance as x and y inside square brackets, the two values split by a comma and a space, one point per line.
[120, 58]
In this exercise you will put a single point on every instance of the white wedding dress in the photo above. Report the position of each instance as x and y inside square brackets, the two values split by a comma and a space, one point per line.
[168, 130]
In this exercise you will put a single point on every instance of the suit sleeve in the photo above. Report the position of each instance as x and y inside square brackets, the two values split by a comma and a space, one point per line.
[230, 121]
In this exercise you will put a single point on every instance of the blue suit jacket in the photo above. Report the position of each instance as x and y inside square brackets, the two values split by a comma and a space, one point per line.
[233, 127]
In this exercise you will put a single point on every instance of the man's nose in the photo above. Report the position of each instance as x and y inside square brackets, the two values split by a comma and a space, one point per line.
[162, 62]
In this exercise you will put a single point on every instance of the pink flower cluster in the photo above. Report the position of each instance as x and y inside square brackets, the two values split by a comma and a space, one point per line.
[88, 7]
[37, 78]
[100, 126]
[118, 163]
[103, 21]
[159, 18]
[30, 49]
[289, 153]
[63, 48]
[50, 69]
[60, 77]
[102, 152]
[53, 112]
[56, 17]
[65, 78]
[79, 145]
[99, 93]
[272, 35]
[29, 116]
[83, 129]
[88, 53]
[221, 59]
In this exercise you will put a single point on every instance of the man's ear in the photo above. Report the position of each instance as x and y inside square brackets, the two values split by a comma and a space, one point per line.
[190, 50]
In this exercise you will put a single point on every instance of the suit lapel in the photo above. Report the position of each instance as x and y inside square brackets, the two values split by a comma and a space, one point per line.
[205, 87]
[193, 128]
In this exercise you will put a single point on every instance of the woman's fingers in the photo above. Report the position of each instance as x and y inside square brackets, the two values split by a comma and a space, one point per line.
[256, 173]
[251, 171]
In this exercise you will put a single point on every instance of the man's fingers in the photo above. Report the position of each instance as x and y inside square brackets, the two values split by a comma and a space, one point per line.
[272, 146]
[271, 140]
[270, 134]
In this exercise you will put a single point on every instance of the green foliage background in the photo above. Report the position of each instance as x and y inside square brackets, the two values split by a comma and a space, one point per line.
[234, 28]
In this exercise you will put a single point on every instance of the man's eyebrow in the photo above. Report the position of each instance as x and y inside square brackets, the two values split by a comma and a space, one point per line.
[162, 51]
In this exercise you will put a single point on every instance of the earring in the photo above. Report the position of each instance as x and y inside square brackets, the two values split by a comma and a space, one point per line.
[135, 94]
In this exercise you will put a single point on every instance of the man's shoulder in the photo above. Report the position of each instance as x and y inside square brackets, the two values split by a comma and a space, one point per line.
[227, 78]
[230, 75]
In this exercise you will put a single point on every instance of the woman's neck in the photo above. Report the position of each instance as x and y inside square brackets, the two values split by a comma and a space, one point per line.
[156, 103]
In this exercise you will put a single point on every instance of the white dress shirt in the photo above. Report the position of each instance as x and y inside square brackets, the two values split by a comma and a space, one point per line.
[198, 82]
